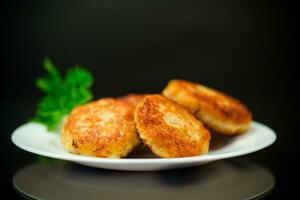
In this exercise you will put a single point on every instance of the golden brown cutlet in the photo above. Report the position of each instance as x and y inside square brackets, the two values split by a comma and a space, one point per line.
[217, 110]
[103, 128]
[169, 129]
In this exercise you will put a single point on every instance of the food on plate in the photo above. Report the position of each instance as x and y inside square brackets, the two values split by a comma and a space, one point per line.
[132, 99]
[218, 111]
[169, 130]
[171, 124]
[103, 128]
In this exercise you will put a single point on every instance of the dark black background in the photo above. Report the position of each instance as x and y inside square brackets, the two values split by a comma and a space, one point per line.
[245, 48]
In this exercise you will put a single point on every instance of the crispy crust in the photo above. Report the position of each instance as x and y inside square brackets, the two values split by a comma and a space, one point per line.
[169, 129]
[215, 109]
[132, 99]
[103, 128]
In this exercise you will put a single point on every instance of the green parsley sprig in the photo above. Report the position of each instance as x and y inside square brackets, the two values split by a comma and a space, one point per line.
[61, 94]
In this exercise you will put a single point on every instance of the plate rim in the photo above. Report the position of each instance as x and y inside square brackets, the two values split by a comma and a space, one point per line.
[90, 159]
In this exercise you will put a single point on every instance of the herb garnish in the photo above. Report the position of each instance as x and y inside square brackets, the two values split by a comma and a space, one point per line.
[61, 94]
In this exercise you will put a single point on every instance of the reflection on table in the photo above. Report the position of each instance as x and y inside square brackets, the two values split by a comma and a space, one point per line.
[230, 179]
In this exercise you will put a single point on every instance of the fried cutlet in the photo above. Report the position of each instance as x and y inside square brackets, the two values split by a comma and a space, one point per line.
[103, 128]
[218, 111]
[169, 130]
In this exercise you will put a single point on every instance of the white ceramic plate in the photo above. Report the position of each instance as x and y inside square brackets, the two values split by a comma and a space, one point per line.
[36, 139]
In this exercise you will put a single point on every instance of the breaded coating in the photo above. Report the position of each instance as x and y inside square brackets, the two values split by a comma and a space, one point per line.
[132, 99]
[169, 129]
[218, 111]
[103, 128]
